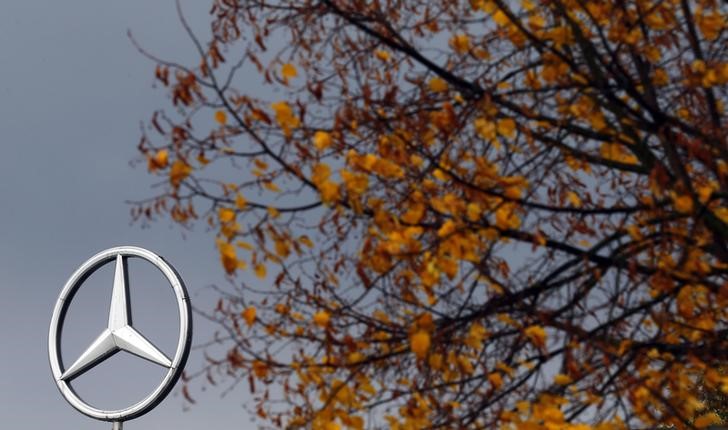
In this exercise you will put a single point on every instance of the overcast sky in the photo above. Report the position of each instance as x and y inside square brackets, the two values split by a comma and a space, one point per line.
[72, 93]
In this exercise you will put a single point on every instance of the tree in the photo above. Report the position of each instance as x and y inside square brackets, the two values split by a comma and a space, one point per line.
[479, 214]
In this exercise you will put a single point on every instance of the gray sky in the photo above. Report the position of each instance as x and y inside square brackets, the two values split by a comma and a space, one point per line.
[72, 93]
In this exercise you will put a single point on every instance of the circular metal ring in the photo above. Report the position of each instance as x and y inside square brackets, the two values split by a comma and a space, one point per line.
[183, 345]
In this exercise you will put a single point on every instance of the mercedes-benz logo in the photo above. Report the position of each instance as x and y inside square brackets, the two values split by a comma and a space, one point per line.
[119, 334]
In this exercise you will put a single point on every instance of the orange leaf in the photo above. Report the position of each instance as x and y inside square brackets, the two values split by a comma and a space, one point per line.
[321, 318]
[221, 117]
[420, 343]
[288, 71]
[249, 315]
[260, 270]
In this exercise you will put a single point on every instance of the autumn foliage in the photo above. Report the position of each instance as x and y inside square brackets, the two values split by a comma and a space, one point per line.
[460, 214]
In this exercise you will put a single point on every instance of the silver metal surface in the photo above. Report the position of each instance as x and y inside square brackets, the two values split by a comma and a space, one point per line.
[119, 335]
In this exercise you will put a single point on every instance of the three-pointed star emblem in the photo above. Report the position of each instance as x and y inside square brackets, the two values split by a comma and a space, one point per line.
[119, 334]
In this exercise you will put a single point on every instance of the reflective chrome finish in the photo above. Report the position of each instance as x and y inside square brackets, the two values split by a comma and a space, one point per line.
[119, 335]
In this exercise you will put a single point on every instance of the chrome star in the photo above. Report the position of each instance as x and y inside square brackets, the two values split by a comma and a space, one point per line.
[119, 335]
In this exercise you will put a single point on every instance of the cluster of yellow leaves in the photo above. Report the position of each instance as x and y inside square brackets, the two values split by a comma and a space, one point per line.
[708, 74]
[420, 343]
[229, 257]
[321, 140]
[489, 130]
[536, 334]
[179, 172]
[712, 23]
[285, 117]
[373, 164]
[460, 43]
[321, 177]
[679, 391]
[506, 217]
[413, 416]
[546, 414]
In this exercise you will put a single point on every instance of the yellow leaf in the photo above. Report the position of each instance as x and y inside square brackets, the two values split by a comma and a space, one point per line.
[460, 43]
[574, 199]
[561, 379]
[528, 5]
[414, 213]
[617, 152]
[485, 128]
[448, 227]
[388, 169]
[221, 117]
[496, 380]
[437, 85]
[683, 204]
[249, 315]
[440, 175]
[260, 270]
[289, 71]
[329, 192]
[244, 245]
[634, 232]
[536, 334]
[240, 201]
[500, 18]
[536, 22]
[285, 117]
[320, 173]
[473, 211]
[158, 161]
[476, 335]
[513, 192]
[505, 218]
[321, 318]
[270, 186]
[306, 241]
[226, 215]
[228, 256]
[420, 343]
[706, 420]
[507, 127]
[321, 140]
[382, 55]
[179, 171]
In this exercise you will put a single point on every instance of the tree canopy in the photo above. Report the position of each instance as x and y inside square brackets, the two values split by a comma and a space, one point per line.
[459, 214]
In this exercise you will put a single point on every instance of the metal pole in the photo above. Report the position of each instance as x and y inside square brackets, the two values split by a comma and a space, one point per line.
[117, 425]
